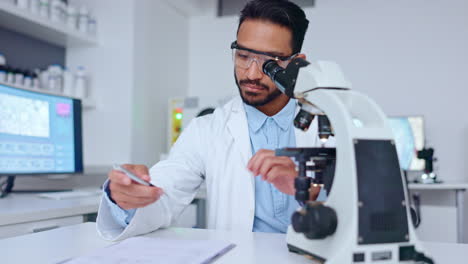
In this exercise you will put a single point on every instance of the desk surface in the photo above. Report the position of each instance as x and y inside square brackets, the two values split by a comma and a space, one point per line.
[438, 186]
[60, 244]
[21, 207]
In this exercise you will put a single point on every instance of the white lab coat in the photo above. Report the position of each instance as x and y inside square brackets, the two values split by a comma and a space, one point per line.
[218, 147]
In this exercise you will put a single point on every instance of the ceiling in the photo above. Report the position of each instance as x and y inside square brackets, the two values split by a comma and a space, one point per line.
[227, 7]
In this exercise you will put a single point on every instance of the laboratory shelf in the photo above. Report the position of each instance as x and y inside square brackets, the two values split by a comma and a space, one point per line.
[86, 103]
[23, 21]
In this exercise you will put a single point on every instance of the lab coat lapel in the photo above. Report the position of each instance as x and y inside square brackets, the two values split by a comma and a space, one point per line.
[239, 131]
[237, 127]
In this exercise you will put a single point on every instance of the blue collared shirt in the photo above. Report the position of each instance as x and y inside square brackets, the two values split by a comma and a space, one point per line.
[273, 209]
[121, 216]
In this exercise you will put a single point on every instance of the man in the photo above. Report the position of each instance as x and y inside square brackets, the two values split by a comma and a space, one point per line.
[248, 187]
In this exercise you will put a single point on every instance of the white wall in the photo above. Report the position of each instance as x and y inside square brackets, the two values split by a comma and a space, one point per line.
[410, 56]
[107, 129]
[211, 74]
[161, 66]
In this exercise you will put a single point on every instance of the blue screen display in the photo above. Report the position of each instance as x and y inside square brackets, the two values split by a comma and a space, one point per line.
[37, 133]
[409, 138]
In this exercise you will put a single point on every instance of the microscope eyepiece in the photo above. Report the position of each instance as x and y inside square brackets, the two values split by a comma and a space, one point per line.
[284, 78]
[271, 68]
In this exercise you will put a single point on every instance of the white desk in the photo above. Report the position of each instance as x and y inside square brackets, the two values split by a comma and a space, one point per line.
[22, 213]
[67, 242]
[459, 191]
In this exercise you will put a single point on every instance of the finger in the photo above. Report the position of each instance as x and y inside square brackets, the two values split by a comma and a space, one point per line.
[133, 200]
[136, 190]
[255, 157]
[251, 161]
[314, 192]
[126, 206]
[129, 206]
[259, 160]
[119, 177]
[141, 171]
[280, 171]
[270, 162]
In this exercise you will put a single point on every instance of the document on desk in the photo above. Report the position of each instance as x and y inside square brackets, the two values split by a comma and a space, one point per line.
[157, 250]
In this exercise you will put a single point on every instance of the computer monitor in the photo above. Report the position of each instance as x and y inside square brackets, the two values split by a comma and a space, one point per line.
[409, 137]
[39, 133]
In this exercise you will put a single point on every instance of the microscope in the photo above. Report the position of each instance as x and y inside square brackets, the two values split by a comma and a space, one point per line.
[429, 176]
[366, 216]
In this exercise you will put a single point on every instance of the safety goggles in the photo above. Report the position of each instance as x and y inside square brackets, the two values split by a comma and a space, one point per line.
[243, 57]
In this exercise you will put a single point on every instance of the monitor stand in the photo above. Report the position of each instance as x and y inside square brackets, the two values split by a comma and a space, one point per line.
[6, 186]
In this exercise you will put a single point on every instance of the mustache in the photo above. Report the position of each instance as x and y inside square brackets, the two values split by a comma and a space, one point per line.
[254, 82]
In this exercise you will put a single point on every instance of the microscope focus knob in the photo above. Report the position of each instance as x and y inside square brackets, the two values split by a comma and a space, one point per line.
[302, 185]
[316, 221]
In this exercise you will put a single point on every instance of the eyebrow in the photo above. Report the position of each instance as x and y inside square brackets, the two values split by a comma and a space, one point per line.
[274, 53]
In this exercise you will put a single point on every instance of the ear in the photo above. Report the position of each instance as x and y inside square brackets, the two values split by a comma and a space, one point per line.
[301, 55]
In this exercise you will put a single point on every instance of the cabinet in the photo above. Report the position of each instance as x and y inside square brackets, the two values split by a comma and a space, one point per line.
[24, 213]
[38, 226]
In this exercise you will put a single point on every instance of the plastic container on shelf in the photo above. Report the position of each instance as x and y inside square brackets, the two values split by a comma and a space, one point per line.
[92, 25]
[63, 11]
[72, 17]
[55, 10]
[83, 17]
[35, 80]
[10, 75]
[68, 88]
[23, 4]
[44, 79]
[2, 59]
[81, 83]
[55, 81]
[34, 6]
[3, 73]
[44, 8]
[19, 77]
[28, 79]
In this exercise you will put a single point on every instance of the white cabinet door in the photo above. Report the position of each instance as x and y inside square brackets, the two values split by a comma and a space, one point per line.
[38, 226]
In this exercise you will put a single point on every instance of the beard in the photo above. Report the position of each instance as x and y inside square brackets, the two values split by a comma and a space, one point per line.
[260, 101]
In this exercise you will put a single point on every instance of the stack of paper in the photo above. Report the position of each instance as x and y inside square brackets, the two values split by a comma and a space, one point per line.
[157, 250]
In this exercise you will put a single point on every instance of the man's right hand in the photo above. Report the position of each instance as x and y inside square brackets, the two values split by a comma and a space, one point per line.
[129, 194]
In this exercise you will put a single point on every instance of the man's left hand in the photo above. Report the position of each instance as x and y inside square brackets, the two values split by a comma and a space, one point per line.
[279, 171]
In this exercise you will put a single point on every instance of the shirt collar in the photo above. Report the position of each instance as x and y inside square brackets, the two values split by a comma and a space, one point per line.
[283, 118]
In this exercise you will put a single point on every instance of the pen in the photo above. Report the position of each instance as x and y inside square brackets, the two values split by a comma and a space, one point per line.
[132, 176]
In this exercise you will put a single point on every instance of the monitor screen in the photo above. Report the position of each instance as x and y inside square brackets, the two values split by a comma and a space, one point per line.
[39, 133]
[409, 137]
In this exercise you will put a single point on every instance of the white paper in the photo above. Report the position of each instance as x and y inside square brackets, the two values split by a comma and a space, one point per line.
[157, 250]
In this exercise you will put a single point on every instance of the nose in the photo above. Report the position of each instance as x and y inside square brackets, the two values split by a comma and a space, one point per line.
[254, 72]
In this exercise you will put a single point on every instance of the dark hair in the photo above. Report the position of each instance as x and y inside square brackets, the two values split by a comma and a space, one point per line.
[281, 12]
